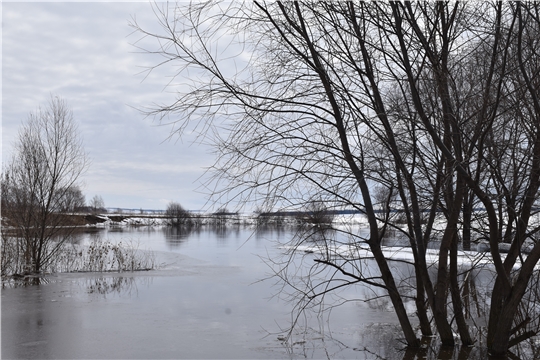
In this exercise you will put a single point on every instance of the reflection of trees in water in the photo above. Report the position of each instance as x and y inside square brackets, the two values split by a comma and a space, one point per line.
[475, 285]
[274, 231]
[312, 344]
[306, 285]
[178, 235]
[23, 281]
[527, 321]
[94, 236]
[317, 234]
[224, 233]
[117, 229]
[371, 341]
[90, 235]
[431, 349]
[119, 285]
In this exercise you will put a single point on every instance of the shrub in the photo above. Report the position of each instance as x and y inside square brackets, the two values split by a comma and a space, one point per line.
[177, 215]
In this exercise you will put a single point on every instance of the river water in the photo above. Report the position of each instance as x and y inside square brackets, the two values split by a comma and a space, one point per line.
[207, 300]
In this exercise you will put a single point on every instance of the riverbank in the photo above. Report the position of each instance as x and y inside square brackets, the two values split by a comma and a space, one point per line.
[119, 219]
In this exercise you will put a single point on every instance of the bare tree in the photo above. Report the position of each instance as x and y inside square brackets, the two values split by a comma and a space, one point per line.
[371, 107]
[39, 182]
[97, 204]
[316, 212]
[177, 215]
[73, 200]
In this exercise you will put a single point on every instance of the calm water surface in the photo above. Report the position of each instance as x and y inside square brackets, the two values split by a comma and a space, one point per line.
[206, 301]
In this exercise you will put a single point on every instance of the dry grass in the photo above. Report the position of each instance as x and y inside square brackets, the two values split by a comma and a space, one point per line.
[100, 256]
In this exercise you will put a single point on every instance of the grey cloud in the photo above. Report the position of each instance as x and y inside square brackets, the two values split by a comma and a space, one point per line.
[82, 52]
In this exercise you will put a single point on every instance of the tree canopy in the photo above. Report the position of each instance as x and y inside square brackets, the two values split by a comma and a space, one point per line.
[40, 183]
[426, 110]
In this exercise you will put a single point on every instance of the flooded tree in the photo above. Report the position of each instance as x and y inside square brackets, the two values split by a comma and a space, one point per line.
[430, 111]
[39, 184]
[177, 215]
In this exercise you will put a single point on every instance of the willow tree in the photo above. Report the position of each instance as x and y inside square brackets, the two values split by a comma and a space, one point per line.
[38, 183]
[343, 102]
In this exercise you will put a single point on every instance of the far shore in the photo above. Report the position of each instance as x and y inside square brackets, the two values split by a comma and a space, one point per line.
[156, 219]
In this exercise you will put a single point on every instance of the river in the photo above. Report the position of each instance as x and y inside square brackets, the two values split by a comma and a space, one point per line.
[207, 300]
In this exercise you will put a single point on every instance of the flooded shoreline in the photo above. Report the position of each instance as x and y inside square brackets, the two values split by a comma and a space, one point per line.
[211, 296]
[207, 300]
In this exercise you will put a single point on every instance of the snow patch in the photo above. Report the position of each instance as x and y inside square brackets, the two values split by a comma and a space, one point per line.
[362, 251]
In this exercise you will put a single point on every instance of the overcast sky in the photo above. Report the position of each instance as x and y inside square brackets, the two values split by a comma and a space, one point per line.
[82, 53]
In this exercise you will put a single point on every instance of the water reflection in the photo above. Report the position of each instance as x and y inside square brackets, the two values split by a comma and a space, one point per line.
[373, 341]
[224, 232]
[311, 344]
[432, 349]
[176, 236]
[22, 281]
[125, 286]
[209, 311]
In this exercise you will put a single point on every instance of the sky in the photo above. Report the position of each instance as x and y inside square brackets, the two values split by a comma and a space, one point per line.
[84, 53]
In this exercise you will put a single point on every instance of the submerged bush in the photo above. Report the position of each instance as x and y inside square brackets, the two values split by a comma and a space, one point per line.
[100, 256]
[176, 215]
[316, 213]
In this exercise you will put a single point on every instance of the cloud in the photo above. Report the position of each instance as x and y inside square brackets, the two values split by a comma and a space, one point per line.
[82, 52]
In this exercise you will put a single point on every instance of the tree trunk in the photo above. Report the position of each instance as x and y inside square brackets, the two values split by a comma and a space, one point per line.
[421, 305]
[504, 305]
[467, 215]
[456, 295]
[395, 297]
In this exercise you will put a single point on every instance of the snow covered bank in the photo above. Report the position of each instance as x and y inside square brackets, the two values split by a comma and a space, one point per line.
[466, 259]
